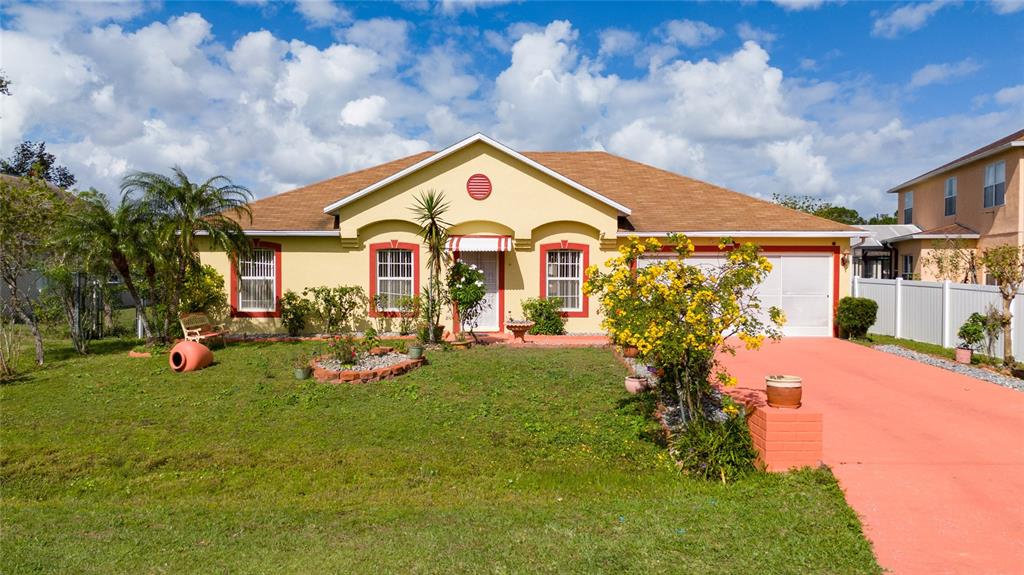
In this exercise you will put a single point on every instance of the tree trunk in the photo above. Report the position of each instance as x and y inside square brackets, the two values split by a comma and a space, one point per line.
[11, 279]
[32, 325]
[1007, 331]
[124, 270]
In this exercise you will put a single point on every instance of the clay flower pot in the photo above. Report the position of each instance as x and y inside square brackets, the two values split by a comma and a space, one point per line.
[635, 384]
[630, 351]
[963, 355]
[784, 390]
[189, 356]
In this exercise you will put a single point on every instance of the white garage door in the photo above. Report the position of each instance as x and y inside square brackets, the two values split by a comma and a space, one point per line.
[799, 284]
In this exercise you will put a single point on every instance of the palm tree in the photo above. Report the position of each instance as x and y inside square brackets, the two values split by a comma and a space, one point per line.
[183, 209]
[429, 211]
[120, 235]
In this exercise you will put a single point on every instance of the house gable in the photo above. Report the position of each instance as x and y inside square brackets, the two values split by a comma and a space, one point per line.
[522, 198]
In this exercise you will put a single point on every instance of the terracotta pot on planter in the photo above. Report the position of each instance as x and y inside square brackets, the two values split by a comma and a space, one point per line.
[963, 355]
[629, 351]
[189, 356]
[635, 384]
[784, 390]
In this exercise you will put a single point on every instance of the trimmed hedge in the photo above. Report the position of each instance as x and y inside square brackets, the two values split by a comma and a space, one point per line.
[855, 316]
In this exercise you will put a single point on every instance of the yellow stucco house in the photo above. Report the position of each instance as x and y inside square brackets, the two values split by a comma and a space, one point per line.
[533, 222]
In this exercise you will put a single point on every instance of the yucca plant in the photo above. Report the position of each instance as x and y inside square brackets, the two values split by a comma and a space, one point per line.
[429, 211]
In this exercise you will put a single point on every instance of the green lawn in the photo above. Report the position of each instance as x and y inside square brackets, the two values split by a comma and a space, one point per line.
[492, 460]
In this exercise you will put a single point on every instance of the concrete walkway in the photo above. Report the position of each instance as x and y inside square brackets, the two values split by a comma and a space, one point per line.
[932, 461]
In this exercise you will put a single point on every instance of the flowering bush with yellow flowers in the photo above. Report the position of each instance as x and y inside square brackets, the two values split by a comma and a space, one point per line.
[680, 315]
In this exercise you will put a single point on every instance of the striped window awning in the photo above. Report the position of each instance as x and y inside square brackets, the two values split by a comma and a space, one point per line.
[480, 244]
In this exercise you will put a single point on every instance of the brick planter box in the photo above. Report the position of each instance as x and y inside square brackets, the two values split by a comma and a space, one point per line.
[364, 376]
[785, 438]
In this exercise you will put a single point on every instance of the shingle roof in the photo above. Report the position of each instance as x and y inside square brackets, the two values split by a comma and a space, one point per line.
[660, 200]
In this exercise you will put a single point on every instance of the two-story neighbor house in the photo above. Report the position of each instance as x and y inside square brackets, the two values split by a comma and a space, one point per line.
[973, 202]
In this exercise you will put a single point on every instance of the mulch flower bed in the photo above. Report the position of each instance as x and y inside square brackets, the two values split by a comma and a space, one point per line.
[382, 363]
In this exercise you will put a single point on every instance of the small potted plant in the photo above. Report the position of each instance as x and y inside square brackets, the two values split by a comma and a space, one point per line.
[416, 349]
[636, 383]
[971, 334]
[784, 390]
[302, 366]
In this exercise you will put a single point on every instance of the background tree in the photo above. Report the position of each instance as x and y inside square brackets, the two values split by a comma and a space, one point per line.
[820, 208]
[5, 84]
[28, 209]
[883, 219]
[429, 211]
[1006, 266]
[120, 236]
[30, 159]
[179, 209]
[951, 259]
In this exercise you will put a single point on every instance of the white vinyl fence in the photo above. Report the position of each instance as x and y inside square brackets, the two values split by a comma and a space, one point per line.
[933, 312]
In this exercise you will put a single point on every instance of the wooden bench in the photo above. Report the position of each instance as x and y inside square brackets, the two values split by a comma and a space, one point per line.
[197, 327]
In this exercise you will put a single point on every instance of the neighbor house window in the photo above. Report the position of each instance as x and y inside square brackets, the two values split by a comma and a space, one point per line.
[394, 278]
[950, 196]
[565, 278]
[257, 281]
[908, 207]
[995, 184]
[908, 267]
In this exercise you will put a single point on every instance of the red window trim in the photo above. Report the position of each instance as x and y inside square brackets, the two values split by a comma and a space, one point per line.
[277, 283]
[565, 245]
[392, 245]
[501, 295]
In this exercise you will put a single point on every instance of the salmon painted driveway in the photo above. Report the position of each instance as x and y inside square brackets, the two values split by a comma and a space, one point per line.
[932, 461]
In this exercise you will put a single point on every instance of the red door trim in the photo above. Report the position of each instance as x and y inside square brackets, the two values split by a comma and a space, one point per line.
[501, 295]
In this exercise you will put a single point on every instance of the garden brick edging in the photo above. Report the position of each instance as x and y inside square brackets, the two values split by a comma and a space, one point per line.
[365, 376]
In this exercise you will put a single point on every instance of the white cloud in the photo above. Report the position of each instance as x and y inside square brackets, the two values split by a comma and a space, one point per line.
[1007, 6]
[691, 33]
[643, 140]
[749, 33]
[274, 112]
[1011, 95]
[322, 13]
[456, 6]
[615, 42]
[800, 4]
[547, 96]
[941, 73]
[799, 168]
[906, 18]
[364, 111]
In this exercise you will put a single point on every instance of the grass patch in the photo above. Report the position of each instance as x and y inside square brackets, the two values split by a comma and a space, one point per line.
[487, 460]
[929, 348]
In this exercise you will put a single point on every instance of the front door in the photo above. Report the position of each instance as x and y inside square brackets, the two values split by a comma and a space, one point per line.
[488, 264]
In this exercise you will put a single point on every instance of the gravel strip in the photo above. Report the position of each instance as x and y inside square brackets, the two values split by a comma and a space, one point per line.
[365, 363]
[968, 370]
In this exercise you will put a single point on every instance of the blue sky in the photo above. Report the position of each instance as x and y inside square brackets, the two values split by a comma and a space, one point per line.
[839, 100]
